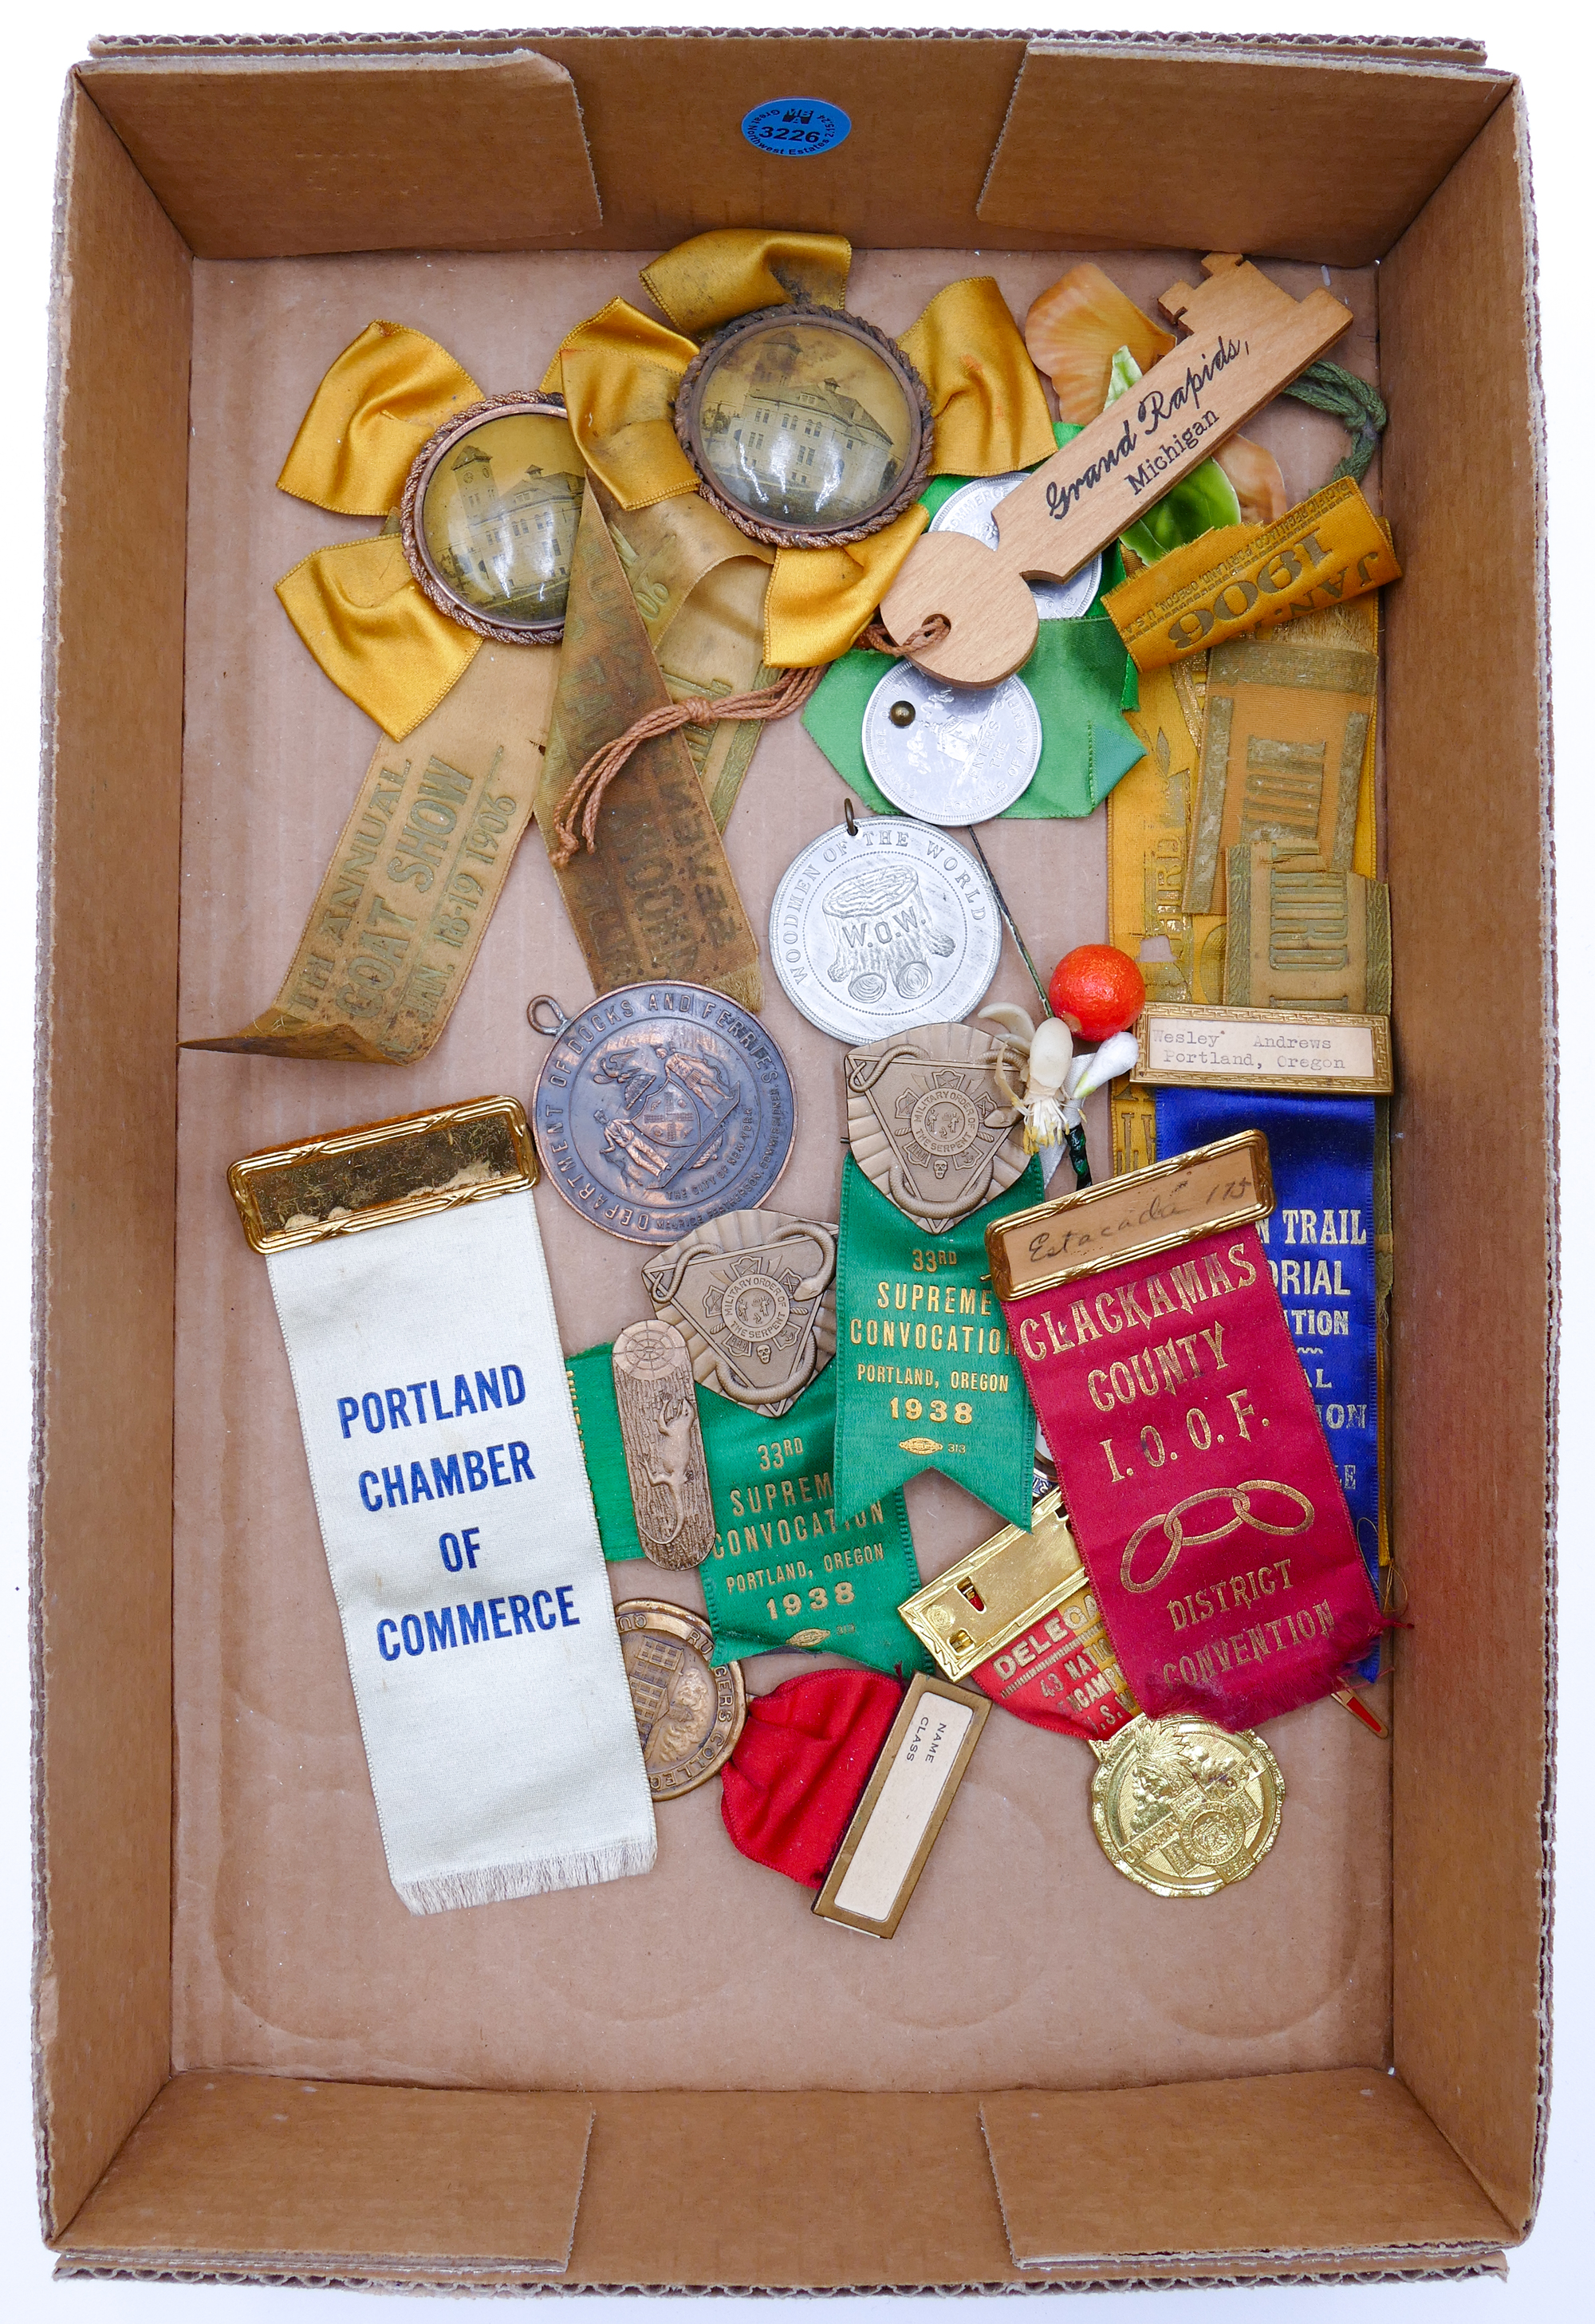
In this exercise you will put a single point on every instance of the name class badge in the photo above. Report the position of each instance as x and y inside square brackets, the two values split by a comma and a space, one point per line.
[884, 925]
[1199, 1483]
[905, 1803]
[660, 1107]
[1177, 1805]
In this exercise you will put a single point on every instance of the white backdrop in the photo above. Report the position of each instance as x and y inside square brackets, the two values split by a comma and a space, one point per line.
[1550, 46]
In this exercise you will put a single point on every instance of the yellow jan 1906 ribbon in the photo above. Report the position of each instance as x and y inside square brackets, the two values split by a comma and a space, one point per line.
[1244, 577]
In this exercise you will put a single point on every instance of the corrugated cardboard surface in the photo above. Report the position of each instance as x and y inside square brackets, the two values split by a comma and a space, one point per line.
[290, 1951]
[107, 1074]
[235, 2174]
[1469, 722]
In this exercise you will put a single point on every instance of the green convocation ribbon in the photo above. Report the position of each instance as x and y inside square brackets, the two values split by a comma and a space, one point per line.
[1081, 677]
[928, 1378]
[788, 1568]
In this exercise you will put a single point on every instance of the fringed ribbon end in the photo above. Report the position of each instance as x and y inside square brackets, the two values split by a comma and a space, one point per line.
[536, 1875]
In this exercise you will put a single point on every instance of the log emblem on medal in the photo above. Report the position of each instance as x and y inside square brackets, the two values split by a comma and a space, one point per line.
[669, 1477]
[754, 1293]
[928, 1124]
[881, 926]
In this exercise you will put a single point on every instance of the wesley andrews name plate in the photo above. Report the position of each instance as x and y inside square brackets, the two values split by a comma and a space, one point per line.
[1312, 1052]
[904, 1806]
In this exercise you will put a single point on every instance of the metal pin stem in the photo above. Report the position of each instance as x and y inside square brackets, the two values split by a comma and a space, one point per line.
[1008, 919]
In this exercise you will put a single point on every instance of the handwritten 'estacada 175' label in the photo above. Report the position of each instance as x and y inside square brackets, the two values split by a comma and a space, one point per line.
[1226, 1185]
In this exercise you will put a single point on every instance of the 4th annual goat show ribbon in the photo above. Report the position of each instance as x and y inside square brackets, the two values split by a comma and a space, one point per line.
[1202, 1492]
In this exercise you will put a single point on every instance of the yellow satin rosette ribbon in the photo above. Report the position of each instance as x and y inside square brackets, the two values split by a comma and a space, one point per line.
[358, 605]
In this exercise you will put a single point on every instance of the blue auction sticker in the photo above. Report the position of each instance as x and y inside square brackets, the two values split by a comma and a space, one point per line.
[796, 125]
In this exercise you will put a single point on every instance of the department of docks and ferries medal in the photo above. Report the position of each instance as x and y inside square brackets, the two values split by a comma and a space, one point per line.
[969, 511]
[879, 929]
[688, 1714]
[927, 1124]
[660, 1107]
[754, 1295]
[951, 753]
[1183, 1807]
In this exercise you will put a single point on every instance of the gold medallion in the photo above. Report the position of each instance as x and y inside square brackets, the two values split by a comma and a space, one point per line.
[689, 1713]
[1183, 1808]
[929, 1125]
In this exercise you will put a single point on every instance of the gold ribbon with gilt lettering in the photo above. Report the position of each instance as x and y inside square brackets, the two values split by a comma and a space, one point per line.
[1245, 577]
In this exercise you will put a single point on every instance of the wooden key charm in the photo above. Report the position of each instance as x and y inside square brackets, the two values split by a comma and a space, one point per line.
[664, 1444]
[1246, 340]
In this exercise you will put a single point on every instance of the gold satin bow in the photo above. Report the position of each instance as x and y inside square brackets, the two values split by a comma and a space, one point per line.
[358, 605]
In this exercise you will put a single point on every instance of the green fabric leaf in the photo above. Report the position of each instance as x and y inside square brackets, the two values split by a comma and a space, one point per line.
[928, 1377]
[1196, 504]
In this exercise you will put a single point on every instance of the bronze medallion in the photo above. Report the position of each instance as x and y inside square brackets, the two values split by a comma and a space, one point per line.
[1183, 1807]
[753, 1293]
[808, 428]
[689, 1713]
[489, 518]
[927, 1124]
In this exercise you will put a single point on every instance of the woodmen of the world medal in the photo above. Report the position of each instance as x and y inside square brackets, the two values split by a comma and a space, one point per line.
[882, 928]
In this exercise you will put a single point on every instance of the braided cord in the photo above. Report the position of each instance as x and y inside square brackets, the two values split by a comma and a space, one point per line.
[1351, 401]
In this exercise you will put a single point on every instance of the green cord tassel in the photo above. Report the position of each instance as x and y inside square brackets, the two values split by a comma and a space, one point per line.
[1358, 407]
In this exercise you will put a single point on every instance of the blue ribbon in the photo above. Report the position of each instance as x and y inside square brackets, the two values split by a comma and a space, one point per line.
[1320, 1242]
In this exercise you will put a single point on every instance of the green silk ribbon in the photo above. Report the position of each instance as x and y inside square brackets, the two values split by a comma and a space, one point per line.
[926, 1376]
[1080, 676]
[790, 1568]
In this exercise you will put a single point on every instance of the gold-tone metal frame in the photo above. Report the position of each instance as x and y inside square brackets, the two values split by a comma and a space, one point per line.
[689, 1621]
[1110, 1192]
[430, 581]
[987, 1631]
[825, 1904]
[1379, 1083]
[385, 1171]
[916, 468]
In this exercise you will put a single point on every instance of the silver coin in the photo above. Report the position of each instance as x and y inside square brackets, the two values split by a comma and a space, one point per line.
[951, 753]
[887, 927]
[969, 511]
[661, 1106]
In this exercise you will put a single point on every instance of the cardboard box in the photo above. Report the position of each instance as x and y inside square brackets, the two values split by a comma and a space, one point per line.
[251, 2061]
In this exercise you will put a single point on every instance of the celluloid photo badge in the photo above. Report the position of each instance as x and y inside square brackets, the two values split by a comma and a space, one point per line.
[489, 518]
[805, 425]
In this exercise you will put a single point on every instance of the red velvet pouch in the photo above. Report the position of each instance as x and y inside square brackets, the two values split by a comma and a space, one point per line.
[1197, 1480]
[790, 1788]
